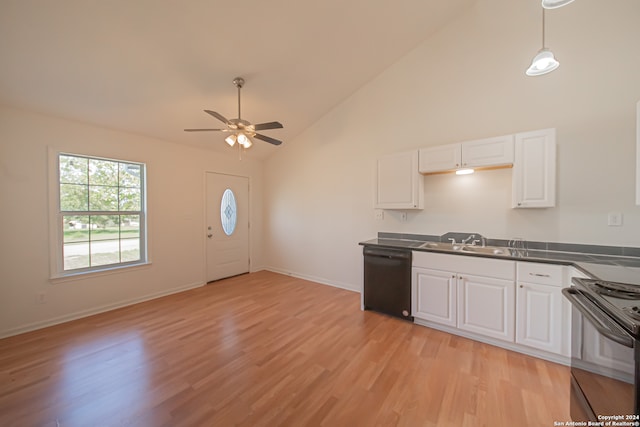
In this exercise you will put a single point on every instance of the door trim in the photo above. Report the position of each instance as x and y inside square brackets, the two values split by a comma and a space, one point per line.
[204, 220]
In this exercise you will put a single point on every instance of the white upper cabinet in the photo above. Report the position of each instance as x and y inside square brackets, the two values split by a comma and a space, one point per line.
[399, 185]
[497, 151]
[534, 169]
[440, 158]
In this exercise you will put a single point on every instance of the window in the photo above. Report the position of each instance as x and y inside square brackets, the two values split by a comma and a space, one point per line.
[101, 213]
[228, 212]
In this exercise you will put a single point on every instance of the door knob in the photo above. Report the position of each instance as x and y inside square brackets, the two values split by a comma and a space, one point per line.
[209, 235]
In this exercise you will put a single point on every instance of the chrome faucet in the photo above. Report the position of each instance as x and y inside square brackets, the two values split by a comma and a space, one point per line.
[470, 237]
[452, 240]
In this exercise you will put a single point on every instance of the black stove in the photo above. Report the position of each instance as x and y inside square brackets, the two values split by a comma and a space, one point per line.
[605, 349]
[621, 301]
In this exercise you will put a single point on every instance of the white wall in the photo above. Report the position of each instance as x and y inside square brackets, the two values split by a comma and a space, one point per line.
[175, 193]
[468, 82]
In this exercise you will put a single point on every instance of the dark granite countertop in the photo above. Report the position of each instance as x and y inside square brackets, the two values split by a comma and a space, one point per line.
[624, 269]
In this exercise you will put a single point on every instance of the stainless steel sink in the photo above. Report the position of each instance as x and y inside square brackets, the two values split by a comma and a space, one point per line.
[456, 247]
[441, 246]
[491, 250]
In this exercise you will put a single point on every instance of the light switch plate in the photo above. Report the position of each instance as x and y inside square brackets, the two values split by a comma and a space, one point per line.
[614, 219]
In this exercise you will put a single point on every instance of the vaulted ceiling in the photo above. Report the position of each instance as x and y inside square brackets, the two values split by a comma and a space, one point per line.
[151, 67]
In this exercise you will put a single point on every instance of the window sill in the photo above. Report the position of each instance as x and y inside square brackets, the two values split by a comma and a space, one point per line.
[69, 277]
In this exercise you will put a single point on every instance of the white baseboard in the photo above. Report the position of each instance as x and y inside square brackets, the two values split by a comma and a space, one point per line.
[321, 280]
[556, 358]
[96, 310]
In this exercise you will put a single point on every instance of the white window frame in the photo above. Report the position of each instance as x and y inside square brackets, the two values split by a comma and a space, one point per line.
[56, 232]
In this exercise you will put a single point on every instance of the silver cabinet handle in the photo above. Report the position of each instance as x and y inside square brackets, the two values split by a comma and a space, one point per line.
[539, 275]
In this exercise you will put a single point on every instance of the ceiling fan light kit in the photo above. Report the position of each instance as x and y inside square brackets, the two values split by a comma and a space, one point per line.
[241, 130]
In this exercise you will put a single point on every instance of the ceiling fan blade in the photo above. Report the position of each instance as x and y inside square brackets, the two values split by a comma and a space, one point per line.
[267, 139]
[269, 125]
[206, 130]
[217, 116]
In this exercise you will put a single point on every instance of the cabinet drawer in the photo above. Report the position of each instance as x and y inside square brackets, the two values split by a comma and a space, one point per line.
[479, 266]
[544, 274]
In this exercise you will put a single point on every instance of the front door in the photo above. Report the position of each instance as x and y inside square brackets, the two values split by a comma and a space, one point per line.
[227, 225]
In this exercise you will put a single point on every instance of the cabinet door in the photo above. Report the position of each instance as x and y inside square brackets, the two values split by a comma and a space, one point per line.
[539, 316]
[434, 296]
[440, 158]
[496, 151]
[534, 169]
[606, 355]
[486, 306]
[398, 182]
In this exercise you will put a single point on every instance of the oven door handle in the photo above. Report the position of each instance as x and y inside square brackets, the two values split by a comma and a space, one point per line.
[604, 326]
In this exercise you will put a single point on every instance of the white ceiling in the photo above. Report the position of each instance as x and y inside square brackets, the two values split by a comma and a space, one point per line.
[151, 66]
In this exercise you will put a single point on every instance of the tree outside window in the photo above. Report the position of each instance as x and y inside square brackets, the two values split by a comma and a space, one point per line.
[101, 211]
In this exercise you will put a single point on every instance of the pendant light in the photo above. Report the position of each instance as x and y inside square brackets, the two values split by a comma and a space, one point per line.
[544, 62]
[554, 4]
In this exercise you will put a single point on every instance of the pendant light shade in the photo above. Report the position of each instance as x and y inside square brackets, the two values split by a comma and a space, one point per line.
[544, 62]
[554, 4]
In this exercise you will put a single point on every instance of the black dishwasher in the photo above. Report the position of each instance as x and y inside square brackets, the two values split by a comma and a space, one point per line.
[387, 281]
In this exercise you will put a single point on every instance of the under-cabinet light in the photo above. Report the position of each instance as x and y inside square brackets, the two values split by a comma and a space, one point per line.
[464, 171]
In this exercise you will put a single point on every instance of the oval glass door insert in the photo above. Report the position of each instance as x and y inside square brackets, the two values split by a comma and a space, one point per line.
[228, 212]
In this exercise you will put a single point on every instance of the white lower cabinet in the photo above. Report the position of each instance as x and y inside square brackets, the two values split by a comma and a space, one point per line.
[539, 309]
[485, 306]
[460, 292]
[434, 296]
[519, 304]
[603, 355]
[541, 320]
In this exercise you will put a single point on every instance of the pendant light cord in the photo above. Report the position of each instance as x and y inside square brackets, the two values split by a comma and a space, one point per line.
[240, 87]
[543, 46]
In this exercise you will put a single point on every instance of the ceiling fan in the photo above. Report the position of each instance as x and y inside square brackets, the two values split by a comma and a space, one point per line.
[241, 130]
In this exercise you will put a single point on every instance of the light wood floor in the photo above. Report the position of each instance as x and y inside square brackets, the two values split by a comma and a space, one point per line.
[268, 350]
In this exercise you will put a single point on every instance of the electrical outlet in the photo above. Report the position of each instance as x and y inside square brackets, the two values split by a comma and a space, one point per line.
[379, 214]
[614, 219]
[403, 216]
[41, 297]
